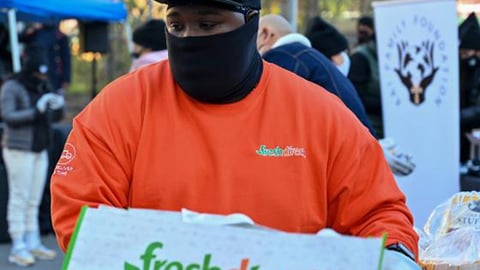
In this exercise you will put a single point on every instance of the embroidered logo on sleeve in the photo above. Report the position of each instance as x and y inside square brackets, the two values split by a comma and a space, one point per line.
[68, 155]
[288, 151]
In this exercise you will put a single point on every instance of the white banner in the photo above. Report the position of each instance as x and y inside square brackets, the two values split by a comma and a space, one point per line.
[418, 61]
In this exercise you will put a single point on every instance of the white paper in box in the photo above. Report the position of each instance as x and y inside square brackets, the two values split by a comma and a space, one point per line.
[111, 238]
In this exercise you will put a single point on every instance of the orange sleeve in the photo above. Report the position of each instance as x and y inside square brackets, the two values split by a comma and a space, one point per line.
[96, 164]
[364, 170]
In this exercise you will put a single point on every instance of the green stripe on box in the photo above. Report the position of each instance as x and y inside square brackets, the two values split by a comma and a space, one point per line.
[73, 240]
[380, 262]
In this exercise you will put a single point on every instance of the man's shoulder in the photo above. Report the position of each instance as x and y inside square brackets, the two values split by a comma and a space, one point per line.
[12, 84]
[289, 48]
[295, 85]
[141, 81]
[311, 60]
[302, 52]
[305, 95]
[128, 96]
[153, 72]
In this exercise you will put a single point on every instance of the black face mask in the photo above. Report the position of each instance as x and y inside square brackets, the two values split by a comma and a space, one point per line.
[471, 62]
[469, 80]
[33, 83]
[222, 68]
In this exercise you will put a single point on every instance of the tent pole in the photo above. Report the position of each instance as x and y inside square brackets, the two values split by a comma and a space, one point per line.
[150, 9]
[12, 24]
[294, 14]
[128, 34]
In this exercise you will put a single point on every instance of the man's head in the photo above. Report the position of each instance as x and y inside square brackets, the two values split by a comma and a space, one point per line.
[329, 41]
[188, 18]
[35, 63]
[271, 28]
[365, 29]
[252, 4]
[149, 37]
[325, 37]
[212, 47]
[469, 32]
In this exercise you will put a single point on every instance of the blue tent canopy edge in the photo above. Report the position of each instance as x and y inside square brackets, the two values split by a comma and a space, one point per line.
[92, 10]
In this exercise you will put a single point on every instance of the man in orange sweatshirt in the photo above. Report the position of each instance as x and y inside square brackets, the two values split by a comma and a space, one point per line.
[216, 130]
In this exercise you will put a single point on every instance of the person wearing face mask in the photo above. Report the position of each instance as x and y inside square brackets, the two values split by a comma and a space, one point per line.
[28, 108]
[364, 75]
[57, 49]
[215, 129]
[279, 44]
[326, 39]
[149, 44]
[469, 32]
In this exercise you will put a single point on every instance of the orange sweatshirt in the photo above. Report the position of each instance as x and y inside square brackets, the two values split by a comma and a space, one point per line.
[290, 155]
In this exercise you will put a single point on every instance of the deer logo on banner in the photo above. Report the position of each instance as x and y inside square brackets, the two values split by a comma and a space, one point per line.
[416, 68]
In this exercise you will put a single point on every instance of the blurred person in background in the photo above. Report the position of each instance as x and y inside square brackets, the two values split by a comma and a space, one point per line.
[57, 49]
[329, 41]
[28, 108]
[278, 43]
[364, 75]
[149, 44]
[5, 54]
[46, 36]
[469, 33]
[365, 30]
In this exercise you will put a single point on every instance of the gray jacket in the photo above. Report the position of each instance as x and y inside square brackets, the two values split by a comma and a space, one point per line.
[21, 116]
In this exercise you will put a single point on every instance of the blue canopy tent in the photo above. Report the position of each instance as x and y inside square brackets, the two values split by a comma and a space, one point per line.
[98, 10]
[51, 10]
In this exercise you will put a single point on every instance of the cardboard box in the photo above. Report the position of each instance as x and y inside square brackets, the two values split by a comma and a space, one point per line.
[110, 238]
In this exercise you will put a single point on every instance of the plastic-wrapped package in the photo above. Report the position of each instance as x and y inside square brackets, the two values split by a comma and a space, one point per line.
[451, 237]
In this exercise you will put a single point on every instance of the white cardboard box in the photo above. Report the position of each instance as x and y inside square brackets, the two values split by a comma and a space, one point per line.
[111, 238]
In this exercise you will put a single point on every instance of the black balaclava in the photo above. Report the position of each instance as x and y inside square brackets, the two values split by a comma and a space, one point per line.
[222, 68]
[469, 81]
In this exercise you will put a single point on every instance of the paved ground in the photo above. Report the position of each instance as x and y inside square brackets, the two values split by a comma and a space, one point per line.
[49, 241]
